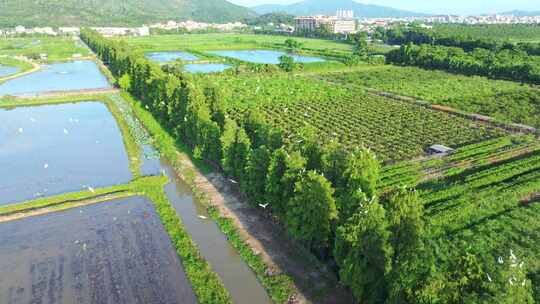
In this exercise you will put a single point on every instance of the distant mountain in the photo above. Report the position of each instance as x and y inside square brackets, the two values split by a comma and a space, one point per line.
[329, 7]
[519, 13]
[116, 12]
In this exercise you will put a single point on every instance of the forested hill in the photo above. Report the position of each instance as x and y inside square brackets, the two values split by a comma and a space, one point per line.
[115, 12]
[327, 7]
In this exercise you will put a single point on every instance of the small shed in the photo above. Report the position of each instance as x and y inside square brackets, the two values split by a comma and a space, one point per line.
[440, 149]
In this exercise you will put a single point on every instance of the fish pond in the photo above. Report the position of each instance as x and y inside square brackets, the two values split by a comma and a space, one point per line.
[67, 76]
[110, 252]
[169, 56]
[264, 56]
[206, 68]
[51, 149]
[6, 70]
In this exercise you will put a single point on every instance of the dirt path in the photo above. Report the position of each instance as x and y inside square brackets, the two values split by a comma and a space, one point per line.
[279, 252]
[62, 206]
[56, 94]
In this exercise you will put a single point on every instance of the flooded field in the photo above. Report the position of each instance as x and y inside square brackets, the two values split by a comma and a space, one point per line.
[112, 252]
[264, 56]
[69, 76]
[206, 67]
[8, 70]
[170, 56]
[51, 149]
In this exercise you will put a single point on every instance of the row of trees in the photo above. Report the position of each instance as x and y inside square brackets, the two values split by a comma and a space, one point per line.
[326, 198]
[506, 64]
[419, 35]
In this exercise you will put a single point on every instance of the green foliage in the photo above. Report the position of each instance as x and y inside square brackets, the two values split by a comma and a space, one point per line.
[255, 181]
[311, 211]
[116, 13]
[506, 64]
[236, 149]
[56, 48]
[361, 176]
[125, 82]
[363, 253]
[276, 18]
[274, 181]
[503, 100]
[287, 63]
[412, 262]
[293, 45]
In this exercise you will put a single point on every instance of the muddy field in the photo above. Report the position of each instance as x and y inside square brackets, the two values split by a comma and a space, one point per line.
[113, 252]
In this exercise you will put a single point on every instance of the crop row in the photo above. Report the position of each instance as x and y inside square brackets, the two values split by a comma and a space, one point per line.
[394, 130]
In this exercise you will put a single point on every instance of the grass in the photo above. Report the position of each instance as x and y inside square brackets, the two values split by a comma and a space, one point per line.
[10, 61]
[222, 41]
[57, 48]
[503, 100]
[67, 200]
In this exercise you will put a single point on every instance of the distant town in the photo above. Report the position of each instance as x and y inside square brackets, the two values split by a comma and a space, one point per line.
[343, 22]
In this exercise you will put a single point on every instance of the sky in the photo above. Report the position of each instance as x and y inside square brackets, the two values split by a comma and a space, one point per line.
[432, 6]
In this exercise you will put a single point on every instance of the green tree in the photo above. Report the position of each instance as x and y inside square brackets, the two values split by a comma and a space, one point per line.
[308, 144]
[334, 162]
[361, 48]
[286, 63]
[236, 149]
[125, 82]
[361, 177]
[473, 278]
[412, 262]
[283, 172]
[363, 253]
[293, 45]
[311, 211]
[256, 172]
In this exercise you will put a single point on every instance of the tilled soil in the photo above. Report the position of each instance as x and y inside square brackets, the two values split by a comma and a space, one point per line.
[115, 252]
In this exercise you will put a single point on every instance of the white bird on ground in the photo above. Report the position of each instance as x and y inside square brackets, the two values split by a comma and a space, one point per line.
[233, 181]
[489, 278]
[264, 205]
[203, 217]
[91, 190]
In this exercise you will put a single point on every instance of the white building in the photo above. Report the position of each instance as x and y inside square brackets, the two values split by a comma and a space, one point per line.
[335, 25]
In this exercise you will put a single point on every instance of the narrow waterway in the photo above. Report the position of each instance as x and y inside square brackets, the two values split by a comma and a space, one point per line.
[238, 278]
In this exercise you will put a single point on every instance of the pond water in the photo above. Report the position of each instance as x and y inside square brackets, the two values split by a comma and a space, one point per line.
[170, 56]
[8, 70]
[68, 76]
[206, 67]
[52, 149]
[110, 252]
[264, 56]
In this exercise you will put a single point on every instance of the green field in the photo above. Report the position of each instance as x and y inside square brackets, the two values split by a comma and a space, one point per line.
[508, 32]
[57, 48]
[221, 41]
[504, 100]
[394, 130]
